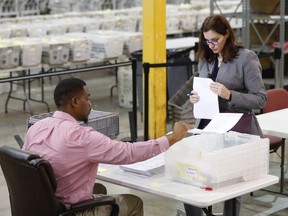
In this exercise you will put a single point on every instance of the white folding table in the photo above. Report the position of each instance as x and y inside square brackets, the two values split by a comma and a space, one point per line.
[276, 123]
[162, 185]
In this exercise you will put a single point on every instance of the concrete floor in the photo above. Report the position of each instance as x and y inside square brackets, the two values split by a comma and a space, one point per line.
[99, 83]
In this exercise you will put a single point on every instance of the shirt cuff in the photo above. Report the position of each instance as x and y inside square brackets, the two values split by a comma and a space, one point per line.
[163, 143]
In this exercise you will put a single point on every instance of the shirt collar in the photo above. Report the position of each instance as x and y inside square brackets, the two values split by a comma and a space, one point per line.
[64, 115]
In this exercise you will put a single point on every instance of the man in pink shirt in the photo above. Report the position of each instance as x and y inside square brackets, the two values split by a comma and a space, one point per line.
[75, 151]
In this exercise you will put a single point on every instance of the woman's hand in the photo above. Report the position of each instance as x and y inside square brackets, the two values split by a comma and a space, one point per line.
[194, 97]
[220, 90]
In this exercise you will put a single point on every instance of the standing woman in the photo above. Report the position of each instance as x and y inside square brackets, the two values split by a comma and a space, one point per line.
[237, 76]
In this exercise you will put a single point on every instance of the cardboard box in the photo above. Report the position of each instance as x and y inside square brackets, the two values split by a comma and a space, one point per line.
[217, 160]
[271, 7]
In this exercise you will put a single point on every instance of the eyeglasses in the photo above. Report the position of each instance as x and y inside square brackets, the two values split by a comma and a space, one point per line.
[213, 42]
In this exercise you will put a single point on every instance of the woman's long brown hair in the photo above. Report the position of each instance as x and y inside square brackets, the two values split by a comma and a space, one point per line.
[219, 24]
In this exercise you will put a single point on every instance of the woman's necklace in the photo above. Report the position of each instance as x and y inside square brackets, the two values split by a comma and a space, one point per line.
[220, 58]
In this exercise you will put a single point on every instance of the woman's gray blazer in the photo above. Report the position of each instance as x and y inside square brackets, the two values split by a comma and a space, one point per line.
[243, 77]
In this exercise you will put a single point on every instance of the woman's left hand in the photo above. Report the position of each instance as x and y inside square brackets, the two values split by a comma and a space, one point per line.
[220, 90]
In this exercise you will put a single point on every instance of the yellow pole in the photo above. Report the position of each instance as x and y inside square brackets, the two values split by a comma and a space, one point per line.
[154, 51]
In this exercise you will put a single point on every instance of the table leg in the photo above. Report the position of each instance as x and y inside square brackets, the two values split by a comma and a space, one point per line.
[282, 166]
[234, 206]
[282, 177]
[208, 211]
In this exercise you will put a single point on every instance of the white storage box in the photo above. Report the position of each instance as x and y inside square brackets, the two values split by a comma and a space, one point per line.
[56, 28]
[173, 23]
[4, 32]
[80, 50]
[31, 51]
[37, 30]
[217, 160]
[106, 46]
[9, 55]
[55, 51]
[18, 30]
[80, 46]
[132, 40]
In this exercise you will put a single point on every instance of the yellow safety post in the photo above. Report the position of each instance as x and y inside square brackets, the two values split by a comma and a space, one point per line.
[154, 51]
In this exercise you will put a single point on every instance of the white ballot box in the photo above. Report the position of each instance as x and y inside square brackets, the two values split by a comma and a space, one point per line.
[213, 160]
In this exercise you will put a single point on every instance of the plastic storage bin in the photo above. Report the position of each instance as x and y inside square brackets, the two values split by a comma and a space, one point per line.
[179, 105]
[217, 160]
[104, 122]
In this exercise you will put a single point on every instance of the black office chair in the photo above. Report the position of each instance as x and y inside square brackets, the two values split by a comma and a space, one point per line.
[31, 185]
[19, 140]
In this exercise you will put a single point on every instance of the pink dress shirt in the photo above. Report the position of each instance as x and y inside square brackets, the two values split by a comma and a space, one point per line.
[75, 151]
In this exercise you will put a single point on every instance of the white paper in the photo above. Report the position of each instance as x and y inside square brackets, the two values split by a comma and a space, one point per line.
[208, 106]
[220, 123]
[148, 167]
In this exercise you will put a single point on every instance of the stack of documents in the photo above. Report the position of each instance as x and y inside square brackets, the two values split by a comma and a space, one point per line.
[148, 167]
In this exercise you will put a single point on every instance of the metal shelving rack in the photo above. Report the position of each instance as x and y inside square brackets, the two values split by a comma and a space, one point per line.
[15, 8]
[249, 20]
[9, 8]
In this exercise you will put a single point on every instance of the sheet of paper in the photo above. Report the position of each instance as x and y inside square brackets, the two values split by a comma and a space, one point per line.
[207, 107]
[220, 123]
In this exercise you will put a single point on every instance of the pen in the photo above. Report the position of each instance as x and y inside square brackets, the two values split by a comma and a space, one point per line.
[189, 94]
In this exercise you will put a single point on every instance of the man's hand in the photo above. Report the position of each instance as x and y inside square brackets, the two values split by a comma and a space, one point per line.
[179, 132]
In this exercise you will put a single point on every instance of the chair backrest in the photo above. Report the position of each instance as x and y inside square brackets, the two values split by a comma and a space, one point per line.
[31, 183]
[277, 99]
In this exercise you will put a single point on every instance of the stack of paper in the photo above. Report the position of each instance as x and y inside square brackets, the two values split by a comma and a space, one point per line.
[148, 167]
[208, 108]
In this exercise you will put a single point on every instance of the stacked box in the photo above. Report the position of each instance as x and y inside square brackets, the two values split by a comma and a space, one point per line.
[91, 25]
[18, 30]
[80, 50]
[217, 160]
[31, 51]
[55, 51]
[173, 23]
[271, 7]
[132, 40]
[75, 27]
[179, 105]
[106, 123]
[56, 28]
[37, 30]
[106, 46]
[107, 24]
[126, 23]
[188, 22]
[4, 32]
[9, 55]
[80, 46]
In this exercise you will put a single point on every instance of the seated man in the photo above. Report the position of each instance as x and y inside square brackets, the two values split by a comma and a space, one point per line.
[75, 151]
